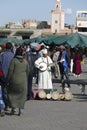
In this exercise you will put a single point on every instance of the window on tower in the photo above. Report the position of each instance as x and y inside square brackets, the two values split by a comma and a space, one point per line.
[55, 30]
[57, 7]
[56, 21]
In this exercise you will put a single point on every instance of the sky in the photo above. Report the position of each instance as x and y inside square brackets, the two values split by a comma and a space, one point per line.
[40, 10]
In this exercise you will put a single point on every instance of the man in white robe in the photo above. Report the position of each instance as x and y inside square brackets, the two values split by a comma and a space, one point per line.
[44, 74]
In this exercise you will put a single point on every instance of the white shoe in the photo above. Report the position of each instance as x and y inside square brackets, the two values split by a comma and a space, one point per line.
[67, 89]
[76, 75]
[73, 74]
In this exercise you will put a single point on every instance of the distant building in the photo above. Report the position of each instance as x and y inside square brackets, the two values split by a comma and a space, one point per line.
[43, 25]
[11, 25]
[30, 23]
[81, 20]
[57, 18]
[35, 24]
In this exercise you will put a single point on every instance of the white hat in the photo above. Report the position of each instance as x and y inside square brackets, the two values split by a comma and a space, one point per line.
[44, 51]
[47, 47]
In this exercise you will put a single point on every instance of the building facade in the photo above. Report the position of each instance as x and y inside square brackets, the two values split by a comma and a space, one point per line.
[81, 21]
[57, 18]
[30, 23]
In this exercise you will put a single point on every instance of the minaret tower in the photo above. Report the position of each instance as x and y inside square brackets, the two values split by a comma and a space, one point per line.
[57, 18]
[58, 5]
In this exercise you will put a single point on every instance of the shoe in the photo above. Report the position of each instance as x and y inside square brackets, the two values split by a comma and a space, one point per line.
[20, 111]
[62, 81]
[63, 89]
[2, 113]
[56, 76]
[67, 89]
[73, 74]
[6, 108]
[28, 98]
[76, 75]
[12, 111]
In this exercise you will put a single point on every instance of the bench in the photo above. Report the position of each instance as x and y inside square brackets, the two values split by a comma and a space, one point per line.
[82, 82]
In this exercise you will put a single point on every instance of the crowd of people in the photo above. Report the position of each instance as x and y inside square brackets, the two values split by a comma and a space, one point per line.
[19, 65]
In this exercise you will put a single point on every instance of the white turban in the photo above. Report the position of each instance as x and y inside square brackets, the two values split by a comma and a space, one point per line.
[44, 51]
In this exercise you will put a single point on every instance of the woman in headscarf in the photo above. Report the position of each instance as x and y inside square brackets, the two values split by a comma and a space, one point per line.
[17, 78]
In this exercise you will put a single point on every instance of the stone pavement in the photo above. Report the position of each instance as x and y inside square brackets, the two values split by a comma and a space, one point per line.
[52, 115]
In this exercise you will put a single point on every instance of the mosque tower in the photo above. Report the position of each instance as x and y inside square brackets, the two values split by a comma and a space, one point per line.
[57, 18]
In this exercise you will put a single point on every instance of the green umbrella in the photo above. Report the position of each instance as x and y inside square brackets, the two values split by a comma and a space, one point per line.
[12, 40]
[72, 40]
[36, 39]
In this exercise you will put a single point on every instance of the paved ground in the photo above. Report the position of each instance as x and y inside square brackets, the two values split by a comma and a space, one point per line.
[52, 115]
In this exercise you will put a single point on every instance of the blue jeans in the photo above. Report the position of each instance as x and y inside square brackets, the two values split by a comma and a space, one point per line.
[65, 73]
